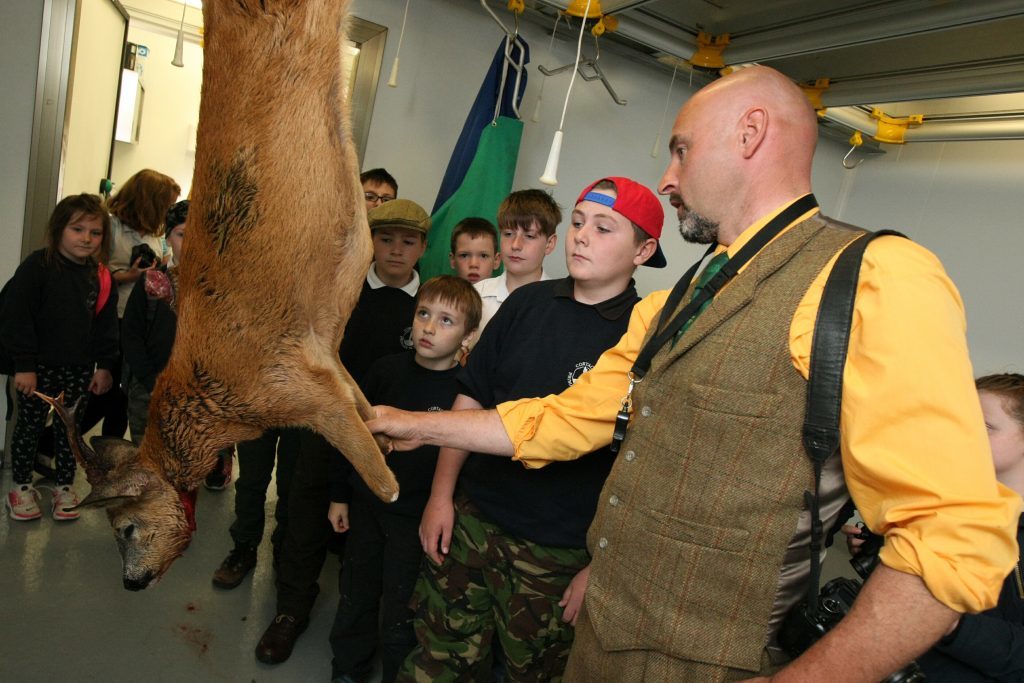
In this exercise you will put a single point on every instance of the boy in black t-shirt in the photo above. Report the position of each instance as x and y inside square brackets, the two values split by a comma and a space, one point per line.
[513, 558]
[383, 552]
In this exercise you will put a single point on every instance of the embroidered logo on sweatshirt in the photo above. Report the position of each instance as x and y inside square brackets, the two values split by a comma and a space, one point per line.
[577, 372]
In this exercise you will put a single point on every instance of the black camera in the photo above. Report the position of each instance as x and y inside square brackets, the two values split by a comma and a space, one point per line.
[803, 627]
[146, 253]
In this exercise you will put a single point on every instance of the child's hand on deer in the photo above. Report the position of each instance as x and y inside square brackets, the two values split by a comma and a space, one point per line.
[337, 514]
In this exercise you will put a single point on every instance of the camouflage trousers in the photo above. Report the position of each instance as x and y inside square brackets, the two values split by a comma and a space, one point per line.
[492, 585]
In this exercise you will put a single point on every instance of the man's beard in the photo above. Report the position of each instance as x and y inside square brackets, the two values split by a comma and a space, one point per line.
[698, 229]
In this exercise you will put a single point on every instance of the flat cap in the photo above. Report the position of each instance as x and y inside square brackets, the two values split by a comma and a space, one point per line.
[399, 213]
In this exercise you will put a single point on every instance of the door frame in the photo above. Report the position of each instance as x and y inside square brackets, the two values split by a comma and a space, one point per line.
[50, 115]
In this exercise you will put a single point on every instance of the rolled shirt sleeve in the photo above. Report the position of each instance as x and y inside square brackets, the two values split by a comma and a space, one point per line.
[915, 451]
[581, 419]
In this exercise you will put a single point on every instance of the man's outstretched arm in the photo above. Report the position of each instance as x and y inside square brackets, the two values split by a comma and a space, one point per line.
[576, 422]
[480, 431]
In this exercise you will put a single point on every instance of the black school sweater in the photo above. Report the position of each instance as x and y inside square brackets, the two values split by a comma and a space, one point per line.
[399, 381]
[147, 335]
[48, 316]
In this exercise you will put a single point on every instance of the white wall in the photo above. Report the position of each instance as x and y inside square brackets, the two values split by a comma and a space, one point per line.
[964, 201]
[170, 111]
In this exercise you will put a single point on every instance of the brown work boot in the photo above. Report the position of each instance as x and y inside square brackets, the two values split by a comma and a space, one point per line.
[278, 640]
[235, 567]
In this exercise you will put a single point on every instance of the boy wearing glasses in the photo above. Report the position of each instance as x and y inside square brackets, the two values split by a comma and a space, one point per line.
[379, 187]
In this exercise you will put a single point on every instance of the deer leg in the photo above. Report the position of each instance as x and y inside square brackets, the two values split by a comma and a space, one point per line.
[364, 408]
[339, 419]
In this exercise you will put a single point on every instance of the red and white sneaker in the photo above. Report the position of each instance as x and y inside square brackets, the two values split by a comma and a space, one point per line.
[64, 497]
[23, 503]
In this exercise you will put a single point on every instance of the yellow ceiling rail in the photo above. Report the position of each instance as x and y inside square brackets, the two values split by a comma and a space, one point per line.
[892, 129]
[813, 92]
[606, 23]
[709, 50]
[578, 8]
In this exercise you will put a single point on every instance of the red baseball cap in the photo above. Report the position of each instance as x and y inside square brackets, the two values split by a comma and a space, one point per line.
[637, 203]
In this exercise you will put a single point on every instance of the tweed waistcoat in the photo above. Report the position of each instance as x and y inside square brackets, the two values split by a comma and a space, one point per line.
[694, 519]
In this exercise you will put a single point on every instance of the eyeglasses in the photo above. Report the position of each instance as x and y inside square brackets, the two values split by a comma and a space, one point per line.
[377, 198]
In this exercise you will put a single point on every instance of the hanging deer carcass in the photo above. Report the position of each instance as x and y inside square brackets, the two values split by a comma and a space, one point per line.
[275, 255]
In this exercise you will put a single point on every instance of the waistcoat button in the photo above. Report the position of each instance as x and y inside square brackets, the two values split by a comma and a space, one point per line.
[613, 501]
[646, 411]
[602, 542]
[630, 456]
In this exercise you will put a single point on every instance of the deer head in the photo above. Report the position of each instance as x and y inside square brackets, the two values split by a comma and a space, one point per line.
[152, 522]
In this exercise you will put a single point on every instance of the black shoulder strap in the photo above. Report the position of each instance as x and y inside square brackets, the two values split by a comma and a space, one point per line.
[825, 384]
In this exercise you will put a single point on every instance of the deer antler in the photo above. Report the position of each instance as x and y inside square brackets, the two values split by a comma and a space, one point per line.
[95, 469]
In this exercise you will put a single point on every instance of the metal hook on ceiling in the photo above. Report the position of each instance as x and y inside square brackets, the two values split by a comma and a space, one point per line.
[856, 140]
[855, 164]
[515, 61]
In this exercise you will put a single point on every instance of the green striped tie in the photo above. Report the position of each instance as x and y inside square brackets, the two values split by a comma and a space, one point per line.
[710, 270]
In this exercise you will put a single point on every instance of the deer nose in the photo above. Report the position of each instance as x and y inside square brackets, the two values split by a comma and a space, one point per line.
[138, 584]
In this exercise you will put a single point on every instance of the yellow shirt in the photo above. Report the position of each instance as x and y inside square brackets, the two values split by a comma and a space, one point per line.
[914, 447]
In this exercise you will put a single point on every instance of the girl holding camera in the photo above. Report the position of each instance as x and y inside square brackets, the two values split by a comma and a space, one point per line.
[137, 213]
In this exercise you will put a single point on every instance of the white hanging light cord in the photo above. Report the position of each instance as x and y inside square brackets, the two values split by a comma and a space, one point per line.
[664, 113]
[551, 169]
[576, 65]
[393, 81]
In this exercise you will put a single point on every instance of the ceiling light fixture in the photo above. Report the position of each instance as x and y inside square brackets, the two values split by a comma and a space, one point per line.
[179, 47]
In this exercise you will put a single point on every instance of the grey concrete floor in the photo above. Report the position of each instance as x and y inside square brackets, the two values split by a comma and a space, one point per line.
[66, 616]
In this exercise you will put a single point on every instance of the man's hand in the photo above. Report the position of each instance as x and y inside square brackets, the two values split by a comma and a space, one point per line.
[337, 515]
[436, 528]
[25, 382]
[101, 382]
[572, 598]
[398, 425]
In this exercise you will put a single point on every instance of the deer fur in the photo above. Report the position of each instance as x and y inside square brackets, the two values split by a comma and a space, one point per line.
[276, 251]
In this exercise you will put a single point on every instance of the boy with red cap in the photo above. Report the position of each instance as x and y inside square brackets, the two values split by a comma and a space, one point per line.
[508, 553]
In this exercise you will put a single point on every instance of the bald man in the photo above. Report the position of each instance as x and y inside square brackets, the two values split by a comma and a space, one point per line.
[701, 542]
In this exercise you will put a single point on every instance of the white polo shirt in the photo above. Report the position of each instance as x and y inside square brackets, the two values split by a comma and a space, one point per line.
[493, 291]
